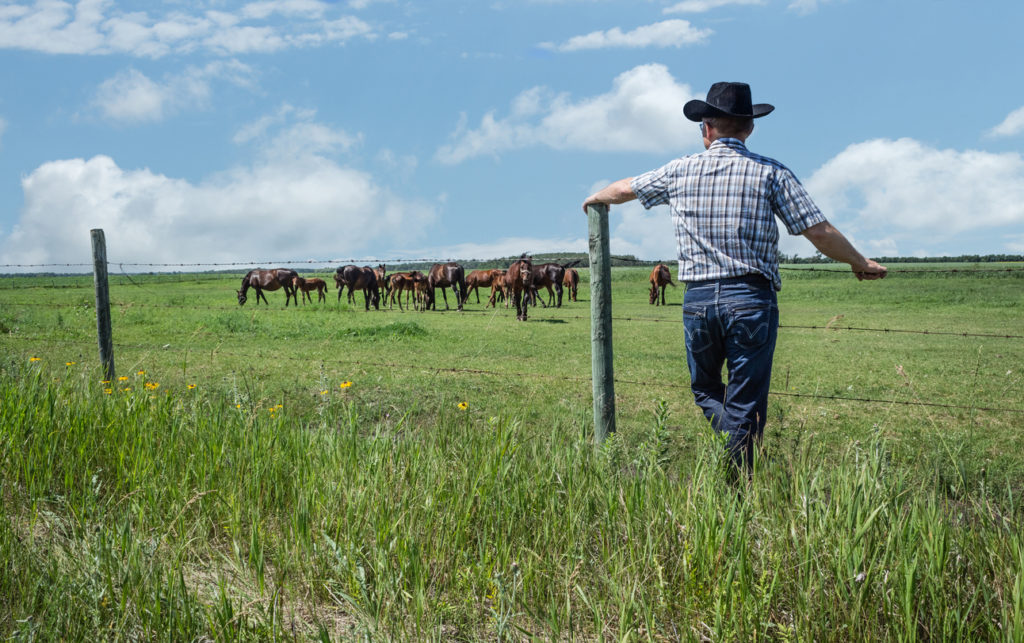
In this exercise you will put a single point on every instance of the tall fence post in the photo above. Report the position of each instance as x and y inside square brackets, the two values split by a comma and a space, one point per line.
[99, 271]
[601, 323]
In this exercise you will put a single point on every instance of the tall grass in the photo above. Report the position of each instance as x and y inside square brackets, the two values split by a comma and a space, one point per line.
[144, 514]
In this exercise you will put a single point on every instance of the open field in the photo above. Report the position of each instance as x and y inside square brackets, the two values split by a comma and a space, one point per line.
[335, 473]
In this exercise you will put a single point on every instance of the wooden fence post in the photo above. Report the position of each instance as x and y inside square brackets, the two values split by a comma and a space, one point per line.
[99, 271]
[601, 323]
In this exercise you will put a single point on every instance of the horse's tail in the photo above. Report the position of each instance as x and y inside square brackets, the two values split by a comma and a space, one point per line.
[571, 263]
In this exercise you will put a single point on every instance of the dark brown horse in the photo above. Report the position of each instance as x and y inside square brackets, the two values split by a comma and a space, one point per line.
[268, 280]
[358, 278]
[446, 275]
[546, 275]
[661, 276]
[571, 282]
[518, 283]
[306, 286]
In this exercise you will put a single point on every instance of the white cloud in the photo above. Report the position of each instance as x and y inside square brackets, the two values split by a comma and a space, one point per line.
[100, 27]
[668, 33]
[904, 191]
[132, 97]
[298, 205]
[805, 6]
[701, 6]
[642, 112]
[1012, 125]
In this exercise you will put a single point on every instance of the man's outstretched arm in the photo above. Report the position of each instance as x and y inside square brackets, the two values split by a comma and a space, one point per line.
[618, 192]
[831, 242]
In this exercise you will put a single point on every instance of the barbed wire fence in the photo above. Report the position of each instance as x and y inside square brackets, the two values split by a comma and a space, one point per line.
[200, 274]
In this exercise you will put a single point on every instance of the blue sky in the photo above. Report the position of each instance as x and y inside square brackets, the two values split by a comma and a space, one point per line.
[282, 130]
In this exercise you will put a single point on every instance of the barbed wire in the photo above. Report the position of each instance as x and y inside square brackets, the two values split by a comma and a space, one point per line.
[505, 374]
[676, 321]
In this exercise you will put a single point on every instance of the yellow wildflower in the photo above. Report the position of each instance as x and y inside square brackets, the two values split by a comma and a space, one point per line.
[34, 359]
[70, 363]
[191, 387]
[108, 391]
[463, 406]
[123, 378]
[345, 384]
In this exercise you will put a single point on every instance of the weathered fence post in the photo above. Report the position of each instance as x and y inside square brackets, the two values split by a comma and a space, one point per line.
[99, 271]
[601, 323]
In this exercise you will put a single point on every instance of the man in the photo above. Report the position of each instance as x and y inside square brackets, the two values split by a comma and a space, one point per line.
[724, 202]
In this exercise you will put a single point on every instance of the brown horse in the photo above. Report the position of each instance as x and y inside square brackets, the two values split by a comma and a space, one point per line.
[660, 277]
[306, 286]
[546, 275]
[358, 278]
[518, 283]
[380, 272]
[268, 280]
[446, 275]
[571, 282]
[398, 283]
[478, 279]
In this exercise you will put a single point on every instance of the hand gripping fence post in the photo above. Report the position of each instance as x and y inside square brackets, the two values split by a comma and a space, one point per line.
[99, 271]
[601, 323]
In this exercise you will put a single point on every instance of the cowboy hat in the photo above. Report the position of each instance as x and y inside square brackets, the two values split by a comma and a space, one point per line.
[726, 99]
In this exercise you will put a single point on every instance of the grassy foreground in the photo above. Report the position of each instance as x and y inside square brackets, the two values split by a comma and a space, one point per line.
[235, 487]
[177, 517]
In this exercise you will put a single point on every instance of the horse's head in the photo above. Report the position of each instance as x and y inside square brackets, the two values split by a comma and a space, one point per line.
[653, 294]
[241, 297]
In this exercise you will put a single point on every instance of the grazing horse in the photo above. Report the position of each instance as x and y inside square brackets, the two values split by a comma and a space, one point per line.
[362, 278]
[518, 283]
[307, 286]
[571, 282]
[660, 277]
[477, 279]
[446, 275]
[268, 280]
[546, 275]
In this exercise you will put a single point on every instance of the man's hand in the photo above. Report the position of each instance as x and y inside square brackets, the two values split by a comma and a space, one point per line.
[618, 192]
[870, 270]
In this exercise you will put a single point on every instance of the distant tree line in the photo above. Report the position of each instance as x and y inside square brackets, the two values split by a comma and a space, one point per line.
[566, 257]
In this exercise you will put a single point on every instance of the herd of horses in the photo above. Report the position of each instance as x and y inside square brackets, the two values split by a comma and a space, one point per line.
[519, 284]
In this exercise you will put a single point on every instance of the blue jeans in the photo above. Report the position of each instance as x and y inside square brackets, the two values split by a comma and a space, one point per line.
[732, 321]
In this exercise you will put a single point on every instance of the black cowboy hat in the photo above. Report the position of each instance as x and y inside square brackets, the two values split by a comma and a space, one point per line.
[726, 99]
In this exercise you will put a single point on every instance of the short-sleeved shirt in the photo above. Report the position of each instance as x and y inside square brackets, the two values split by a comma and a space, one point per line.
[724, 202]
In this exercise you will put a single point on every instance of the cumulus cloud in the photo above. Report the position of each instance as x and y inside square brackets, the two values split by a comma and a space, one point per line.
[701, 6]
[641, 113]
[100, 27]
[132, 97]
[297, 205]
[1012, 125]
[902, 191]
[668, 33]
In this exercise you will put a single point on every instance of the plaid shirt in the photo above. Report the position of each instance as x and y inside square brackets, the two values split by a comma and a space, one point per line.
[724, 202]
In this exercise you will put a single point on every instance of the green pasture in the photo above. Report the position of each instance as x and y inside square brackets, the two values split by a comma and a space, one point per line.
[326, 472]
